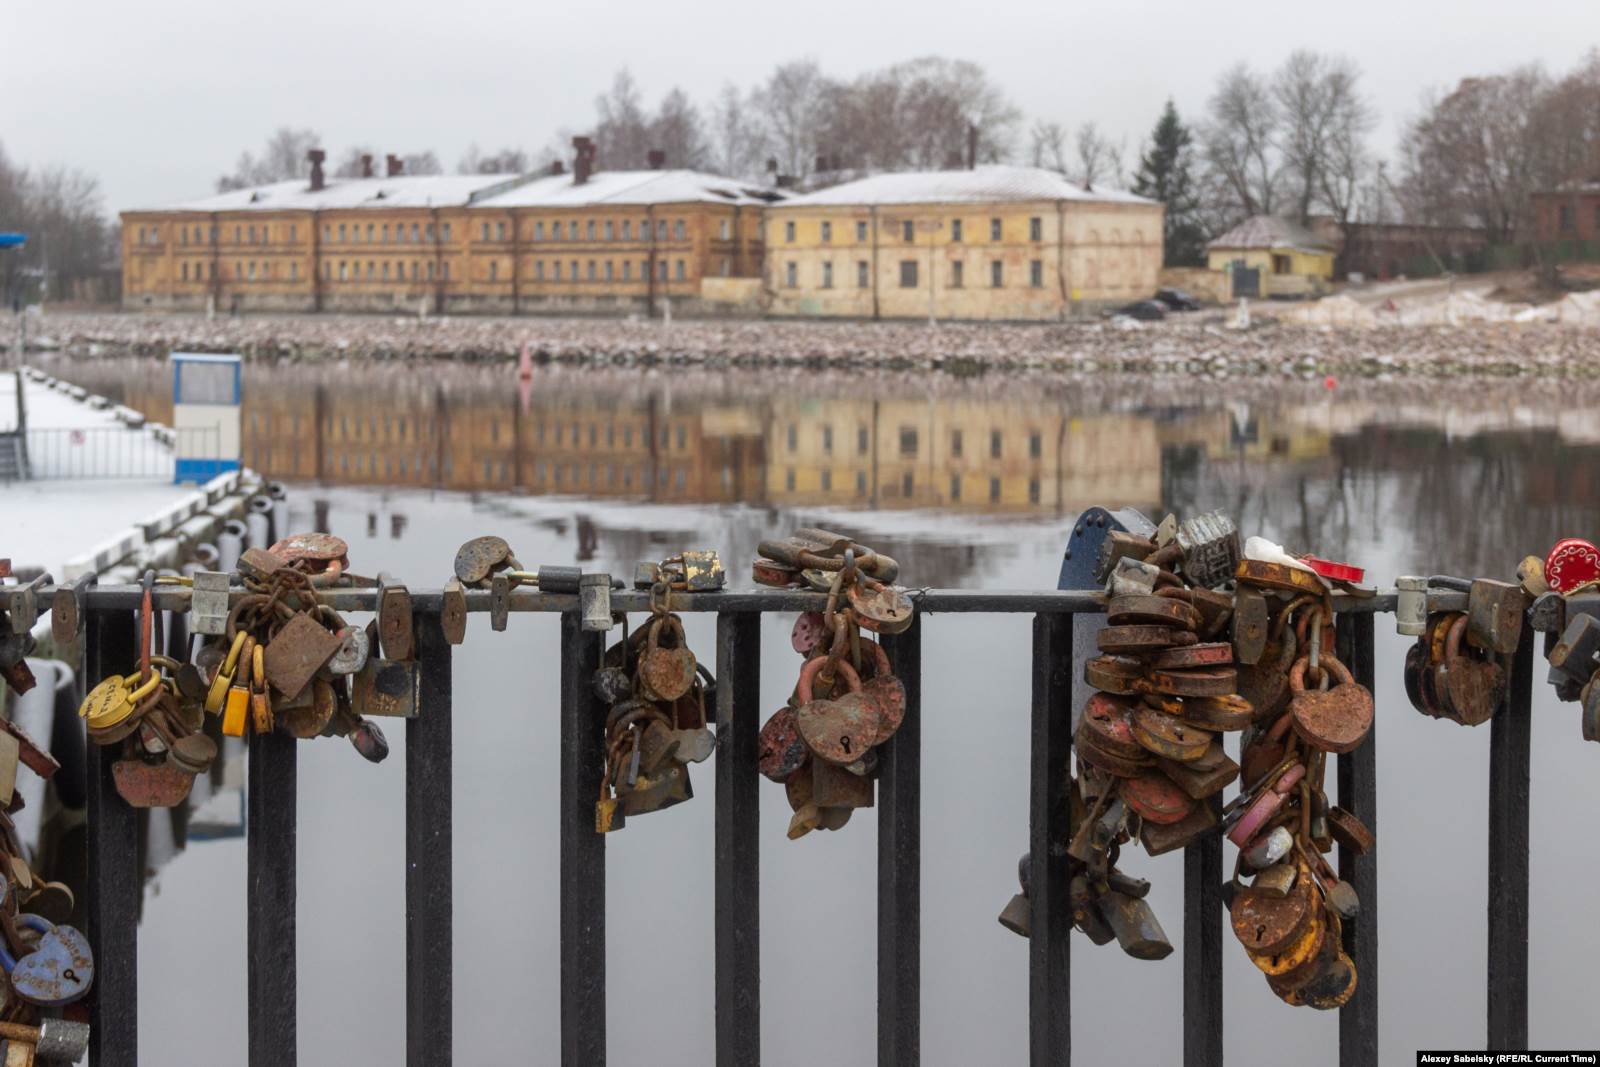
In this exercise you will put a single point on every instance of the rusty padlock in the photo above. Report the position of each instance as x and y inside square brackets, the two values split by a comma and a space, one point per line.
[666, 672]
[1332, 720]
[838, 730]
[1472, 687]
[1494, 615]
[301, 649]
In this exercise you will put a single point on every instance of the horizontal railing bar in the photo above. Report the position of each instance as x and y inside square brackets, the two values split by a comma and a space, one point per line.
[429, 601]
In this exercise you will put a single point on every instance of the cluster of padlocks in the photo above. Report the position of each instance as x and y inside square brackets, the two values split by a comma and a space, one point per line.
[1459, 667]
[823, 744]
[1567, 609]
[275, 659]
[48, 964]
[1207, 636]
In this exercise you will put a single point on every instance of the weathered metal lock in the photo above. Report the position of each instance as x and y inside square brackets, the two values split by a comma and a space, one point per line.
[390, 688]
[1494, 615]
[1267, 924]
[1471, 688]
[258, 564]
[394, 619]
[880, 608]
[355, 648]
[1155, 798]
[499, 602]
[481, 557]
[1573, 657]
[1158, 839]
[1333, 720]
[667, 787]
[208, 603]
[58, 971]
[701, 571]
[666, 672]
[1411, 605]
[1210, 547]
[1250, 622]
[1266, 684]
[301, 649]
[21, 602]
[151, 785]
[611, 685]
[594, 602]
[781, 750]
[834, 787]
[1265, 806]
[839, 730]
[1589, 697]
[453, 612]
[1132, 576]
[1117, 546]
[1548, 614]
[1135, 925]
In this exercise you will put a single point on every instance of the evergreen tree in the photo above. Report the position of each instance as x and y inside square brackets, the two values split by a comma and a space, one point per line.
[1166, 174]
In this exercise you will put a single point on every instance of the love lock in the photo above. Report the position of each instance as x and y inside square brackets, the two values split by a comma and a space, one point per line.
[309, 718]
[781, 750]
[809, 634]
[1265, 683]
[151, 785]
[482, 556]
[880, 608]
[839, 730]
[58, 971]
[1156, 798]
[355, 645]
[1333, 720]
[666, 673]
[1473, 687]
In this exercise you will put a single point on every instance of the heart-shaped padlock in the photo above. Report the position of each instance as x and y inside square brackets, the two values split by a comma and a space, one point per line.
[151, 785]
[666, 672]
[58, 971]
[1333, 720]
[839, 730]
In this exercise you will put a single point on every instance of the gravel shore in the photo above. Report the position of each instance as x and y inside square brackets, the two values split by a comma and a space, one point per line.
[1203, 344]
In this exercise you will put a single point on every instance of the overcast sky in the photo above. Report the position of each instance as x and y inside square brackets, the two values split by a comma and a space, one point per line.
[158, 97]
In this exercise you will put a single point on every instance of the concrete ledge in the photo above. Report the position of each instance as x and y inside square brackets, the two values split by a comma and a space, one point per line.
[170, 519]
[103, 556]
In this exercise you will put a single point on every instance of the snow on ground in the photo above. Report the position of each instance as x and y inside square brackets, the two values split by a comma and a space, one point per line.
[48, 521]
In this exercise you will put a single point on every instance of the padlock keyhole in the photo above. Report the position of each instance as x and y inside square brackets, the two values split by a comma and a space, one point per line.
[844, 743]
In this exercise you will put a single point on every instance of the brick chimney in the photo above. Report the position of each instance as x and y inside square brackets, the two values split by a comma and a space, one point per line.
[972, 146]
[316, 156]
[583, 160]
[366, 166]
[557, 167]
[393, 165]
[658, 159]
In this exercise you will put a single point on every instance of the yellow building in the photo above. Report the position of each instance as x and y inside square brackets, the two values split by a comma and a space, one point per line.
[581, 242]
[1269, 256]
[994, 242]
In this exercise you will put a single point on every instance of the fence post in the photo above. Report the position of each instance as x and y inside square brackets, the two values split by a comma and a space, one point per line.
[429, 889]
[1049, 945]
[900, 865]
[1510, 747]
[270, 899]
[1358, 794]
[1202, 949]
[583, 853]
[738, 847]
[116, 887]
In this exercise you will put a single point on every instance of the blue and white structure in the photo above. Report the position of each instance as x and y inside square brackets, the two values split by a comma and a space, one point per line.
[206, 390]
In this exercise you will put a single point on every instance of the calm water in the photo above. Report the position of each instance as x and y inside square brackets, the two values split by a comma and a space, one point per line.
[967, 483]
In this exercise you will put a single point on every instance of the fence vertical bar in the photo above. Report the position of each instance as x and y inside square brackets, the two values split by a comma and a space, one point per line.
[1358, 794]
[738, 848]
[583, 854]
[1510, 747]
[115, 885]
[1049, 947]
[900, 865]
[429, 835]
[1202, 949]
[270, 900]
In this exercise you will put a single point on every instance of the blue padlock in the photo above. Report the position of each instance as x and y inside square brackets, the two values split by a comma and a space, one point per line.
[58, 971]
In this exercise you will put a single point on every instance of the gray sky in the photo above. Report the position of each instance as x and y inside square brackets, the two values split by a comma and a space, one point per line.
[158, 97]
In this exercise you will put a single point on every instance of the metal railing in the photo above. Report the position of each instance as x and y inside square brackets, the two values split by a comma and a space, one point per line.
[115, 885]
[108, 452]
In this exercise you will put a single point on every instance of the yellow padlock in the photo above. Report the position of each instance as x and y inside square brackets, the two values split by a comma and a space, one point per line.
[114, 699]
[236, 709]
[217, 695]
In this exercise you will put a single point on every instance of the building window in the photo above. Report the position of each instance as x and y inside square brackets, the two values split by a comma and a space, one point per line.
[996, 444]
[538, 270]
[499, 231]
[185, 271]
[861, 274]
[574, 264]
[1036, 229]
[994, 490]
[294, 271]
[957, 274]
[610, 230]
[908, 231]
[446, 231]
[414, 231]
[292, 234]
[827, 232]
[1033, 490]
[341, 231]
[428, 231]
[994, 229]
[1281, 264]
[183, 236]
[788, 232]
[386, 270]
[861, 232]
[955, 487]
[661, 229]
[572, 229]
[486, 231]
[1035, 445]
[370, 231]
[722, 229]
[372, 270]
[1036, 273]
[447, 271]
[344, 272]
[908, 274]
[494, 271]
[383, 233]
[907, 485]
[681, 270]
[538, 231]
[555, 267]
[430, 270]
[609, 269]
[591, 270]
[252, 235]
[627, 230]
[237, 238]
[627, 270]
[955, 444]
[1568, 219]
[996, 274]
[908, 440]
[955, 231]
[677, 230]
[589, 229]
[791, 274]
[827, 275]
[862, 437]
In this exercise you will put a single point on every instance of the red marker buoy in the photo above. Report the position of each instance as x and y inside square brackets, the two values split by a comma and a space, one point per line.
[1330, 382]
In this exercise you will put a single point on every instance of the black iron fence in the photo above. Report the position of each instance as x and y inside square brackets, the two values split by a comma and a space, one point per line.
[105, 452]
[115, 883]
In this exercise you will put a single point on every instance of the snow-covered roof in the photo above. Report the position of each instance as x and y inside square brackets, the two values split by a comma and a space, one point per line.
[631, 187]
[433, 190]
[1271, 231]
[496, 190]
[986, 184]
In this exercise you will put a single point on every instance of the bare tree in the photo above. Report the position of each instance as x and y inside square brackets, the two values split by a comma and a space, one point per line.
[1098, 159]
[678, 131]
[282, 158]
[792, 101]
[70, 240]
[1321, 133]
[1237, 143]
[505, 161]
[737, 139]
[350, 163]
[622, 129]
[421, 163]
[1047, 145]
